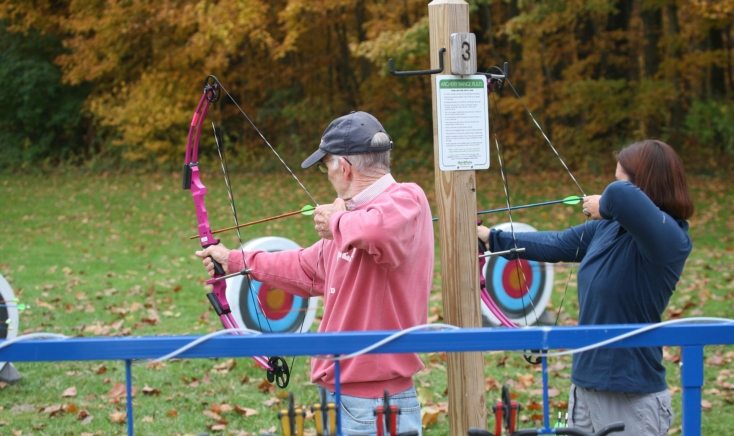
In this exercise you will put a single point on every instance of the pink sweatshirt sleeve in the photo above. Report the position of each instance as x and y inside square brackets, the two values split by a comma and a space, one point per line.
[293, 271]
[386, 230]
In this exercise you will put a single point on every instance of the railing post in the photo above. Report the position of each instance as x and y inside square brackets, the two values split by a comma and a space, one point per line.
[692, 381]
[129, 389]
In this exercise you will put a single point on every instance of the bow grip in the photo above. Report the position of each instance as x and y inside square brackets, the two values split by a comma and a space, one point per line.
[218, 270]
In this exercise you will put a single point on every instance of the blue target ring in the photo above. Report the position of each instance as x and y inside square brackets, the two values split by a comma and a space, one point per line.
[256, 319]
[505, 299]
[521, 297]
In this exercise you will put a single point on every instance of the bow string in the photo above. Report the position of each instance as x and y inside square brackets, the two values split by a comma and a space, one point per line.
[520, 271]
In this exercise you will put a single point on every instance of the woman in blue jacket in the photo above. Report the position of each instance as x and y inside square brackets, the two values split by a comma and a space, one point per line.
[631, 256]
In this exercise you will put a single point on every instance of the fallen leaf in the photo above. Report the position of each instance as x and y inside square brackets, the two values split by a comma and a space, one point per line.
[118, 417]
[265, 387]
[212, 415]
[53, 410]
[69, 392]
[225, 367]
[429, 415]
[172, 413]
[534, 406]
[147, 390]
[525, 379]
[705, 405]
[270, 402]
[491, 384]
[245, 411]
[147, 419]
[118, 390]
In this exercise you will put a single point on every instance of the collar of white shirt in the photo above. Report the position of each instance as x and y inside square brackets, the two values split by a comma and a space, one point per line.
[371, 192]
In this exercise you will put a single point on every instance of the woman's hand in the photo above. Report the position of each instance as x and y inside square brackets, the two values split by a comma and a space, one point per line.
[220, 253]
[483, 234]
[591, 206]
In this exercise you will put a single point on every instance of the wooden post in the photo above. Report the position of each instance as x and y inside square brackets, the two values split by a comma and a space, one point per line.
[457, 211]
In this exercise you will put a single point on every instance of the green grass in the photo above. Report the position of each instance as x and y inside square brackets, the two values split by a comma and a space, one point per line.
[109, 254]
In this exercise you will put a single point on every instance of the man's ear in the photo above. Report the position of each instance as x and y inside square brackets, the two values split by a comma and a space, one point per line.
[348, 170]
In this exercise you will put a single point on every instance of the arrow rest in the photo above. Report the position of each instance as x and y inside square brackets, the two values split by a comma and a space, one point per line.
[280, 374]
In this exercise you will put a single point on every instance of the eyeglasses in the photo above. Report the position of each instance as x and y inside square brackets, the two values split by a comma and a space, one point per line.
[322, 166]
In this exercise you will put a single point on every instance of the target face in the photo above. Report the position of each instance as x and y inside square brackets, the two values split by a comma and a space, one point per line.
[257, 306]
[8, 311]
[521, 289]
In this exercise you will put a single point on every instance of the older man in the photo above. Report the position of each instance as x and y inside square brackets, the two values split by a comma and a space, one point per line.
[373, 266]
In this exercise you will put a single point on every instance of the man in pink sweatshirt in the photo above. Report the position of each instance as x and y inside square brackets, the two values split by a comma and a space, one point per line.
[373, 267]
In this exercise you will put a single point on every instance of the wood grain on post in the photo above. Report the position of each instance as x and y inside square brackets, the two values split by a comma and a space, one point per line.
[457, 208]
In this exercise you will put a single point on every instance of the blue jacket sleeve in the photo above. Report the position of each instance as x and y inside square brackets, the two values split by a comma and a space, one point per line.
[660, 238]
[567, 246]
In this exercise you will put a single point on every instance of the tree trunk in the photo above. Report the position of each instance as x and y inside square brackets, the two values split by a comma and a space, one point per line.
[674, 52]
[619, 23]
[652, 23]
[717, 78]
[485, 30]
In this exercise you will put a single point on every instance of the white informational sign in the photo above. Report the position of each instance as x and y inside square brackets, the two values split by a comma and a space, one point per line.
[463, 124]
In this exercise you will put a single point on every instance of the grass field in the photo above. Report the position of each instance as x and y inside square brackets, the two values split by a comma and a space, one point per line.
[108, 254]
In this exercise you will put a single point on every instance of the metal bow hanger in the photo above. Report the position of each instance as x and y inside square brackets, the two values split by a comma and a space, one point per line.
[278, 369]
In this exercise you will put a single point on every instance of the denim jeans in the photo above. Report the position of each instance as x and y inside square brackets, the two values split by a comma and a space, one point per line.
[358, 414]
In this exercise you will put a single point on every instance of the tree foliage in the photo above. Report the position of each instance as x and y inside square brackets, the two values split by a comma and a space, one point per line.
[597, 74]
[39, 112]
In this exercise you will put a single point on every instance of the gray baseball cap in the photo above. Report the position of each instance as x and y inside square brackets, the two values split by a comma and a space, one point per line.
[348, 135]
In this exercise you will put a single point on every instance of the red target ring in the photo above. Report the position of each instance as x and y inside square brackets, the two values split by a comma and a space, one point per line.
[275, 303]
[516, 282]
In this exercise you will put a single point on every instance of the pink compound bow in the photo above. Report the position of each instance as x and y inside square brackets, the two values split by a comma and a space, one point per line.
[276, 366]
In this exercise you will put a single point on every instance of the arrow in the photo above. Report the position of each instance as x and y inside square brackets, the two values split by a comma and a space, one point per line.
[305, 210]
[20, 306]
[574, 199]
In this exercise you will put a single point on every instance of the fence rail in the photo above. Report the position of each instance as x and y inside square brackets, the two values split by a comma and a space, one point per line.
[691, 337]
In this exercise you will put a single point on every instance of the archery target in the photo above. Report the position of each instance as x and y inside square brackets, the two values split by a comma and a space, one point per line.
[521, 289]
[8, 311]
[257, 306]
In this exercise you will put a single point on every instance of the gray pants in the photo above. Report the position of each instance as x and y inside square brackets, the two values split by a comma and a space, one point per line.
[642, 414]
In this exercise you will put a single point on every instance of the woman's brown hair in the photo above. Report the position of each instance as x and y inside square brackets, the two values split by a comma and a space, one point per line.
[655, 168]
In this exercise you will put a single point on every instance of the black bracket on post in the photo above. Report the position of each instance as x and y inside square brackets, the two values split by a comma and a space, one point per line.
[438, 70]
[497, 81]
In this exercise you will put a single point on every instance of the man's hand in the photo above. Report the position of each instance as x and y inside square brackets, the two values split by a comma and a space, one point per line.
[591, 206]
[323, 214]
[220, 253]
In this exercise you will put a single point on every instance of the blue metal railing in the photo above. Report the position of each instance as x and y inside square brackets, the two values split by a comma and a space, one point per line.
[692, 338]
